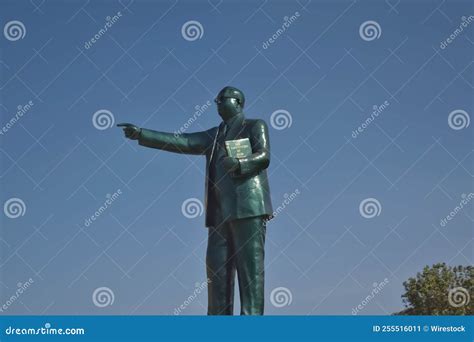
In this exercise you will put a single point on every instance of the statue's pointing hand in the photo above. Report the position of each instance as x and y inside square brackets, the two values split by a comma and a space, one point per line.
[131, 131]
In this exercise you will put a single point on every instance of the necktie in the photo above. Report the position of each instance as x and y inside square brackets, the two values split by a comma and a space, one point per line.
[223, 134]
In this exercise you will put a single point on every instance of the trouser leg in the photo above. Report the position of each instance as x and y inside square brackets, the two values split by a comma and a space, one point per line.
[248, 237]
[220, 272]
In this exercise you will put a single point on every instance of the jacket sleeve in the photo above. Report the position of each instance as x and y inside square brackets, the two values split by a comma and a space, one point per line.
[188, 143]
[260, 158]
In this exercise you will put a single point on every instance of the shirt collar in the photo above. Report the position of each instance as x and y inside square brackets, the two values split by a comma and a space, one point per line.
[230, 122]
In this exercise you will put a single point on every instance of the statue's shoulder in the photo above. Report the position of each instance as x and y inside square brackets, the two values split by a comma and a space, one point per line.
[211, 133]
[256, 123]
[212, 130]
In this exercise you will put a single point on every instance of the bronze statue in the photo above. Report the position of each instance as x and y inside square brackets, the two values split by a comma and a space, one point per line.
[237, 201]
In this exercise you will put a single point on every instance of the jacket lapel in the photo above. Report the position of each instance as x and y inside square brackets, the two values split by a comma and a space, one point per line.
[236, 128]
[232, 133]
[215, 142]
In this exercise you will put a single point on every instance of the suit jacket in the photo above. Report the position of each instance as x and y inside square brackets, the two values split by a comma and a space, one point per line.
[248, 195]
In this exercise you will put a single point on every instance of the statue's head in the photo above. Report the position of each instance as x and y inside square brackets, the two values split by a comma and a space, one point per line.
[230, 102]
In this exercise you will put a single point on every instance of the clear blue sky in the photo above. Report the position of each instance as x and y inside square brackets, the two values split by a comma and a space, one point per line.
[319, 69]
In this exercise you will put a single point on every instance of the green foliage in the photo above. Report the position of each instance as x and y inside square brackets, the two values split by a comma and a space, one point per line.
[440, 290]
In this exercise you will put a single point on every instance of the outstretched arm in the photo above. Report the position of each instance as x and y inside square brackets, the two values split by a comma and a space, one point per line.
[189, 143]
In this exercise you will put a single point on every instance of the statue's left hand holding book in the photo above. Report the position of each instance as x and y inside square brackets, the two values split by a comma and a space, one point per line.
[238, 148]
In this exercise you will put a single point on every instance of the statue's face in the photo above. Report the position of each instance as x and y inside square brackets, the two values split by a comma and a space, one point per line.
[227, 107]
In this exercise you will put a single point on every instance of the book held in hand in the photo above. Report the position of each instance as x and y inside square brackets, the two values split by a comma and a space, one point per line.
[238, 148]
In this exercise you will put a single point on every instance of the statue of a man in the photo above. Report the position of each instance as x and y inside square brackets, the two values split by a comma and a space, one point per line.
[237, 201]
